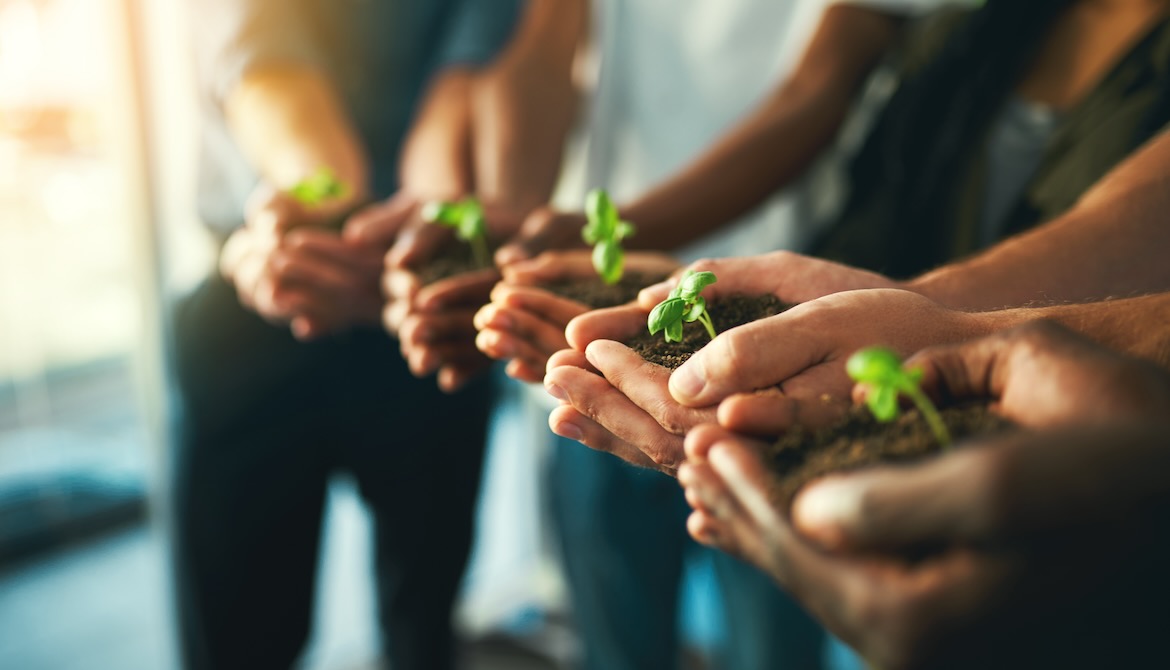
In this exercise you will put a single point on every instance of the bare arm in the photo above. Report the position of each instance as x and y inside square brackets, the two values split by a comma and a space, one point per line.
[290, 122]
[776, 142]
[1113, 243]
[525, 104]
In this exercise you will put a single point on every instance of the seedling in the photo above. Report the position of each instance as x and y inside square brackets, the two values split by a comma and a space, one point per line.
[881, 371]
[466, 217]
[683, 305]
[605, 231]
[318, 188]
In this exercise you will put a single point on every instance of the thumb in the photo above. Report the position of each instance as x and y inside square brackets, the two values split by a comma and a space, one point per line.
[379, 224]
[944, 500]
[542, 230]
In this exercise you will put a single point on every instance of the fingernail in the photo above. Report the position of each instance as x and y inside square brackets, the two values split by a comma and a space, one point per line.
[569, 430]
[502, 321]
[557, 392]
[686, 382]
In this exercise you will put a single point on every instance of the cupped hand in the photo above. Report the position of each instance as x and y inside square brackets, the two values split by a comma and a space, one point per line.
[1041, 374]
[288, 266]
[791, 277]
[1074, 556]
[798, 357]
[545, 229]
[525, 324]
[435, 323]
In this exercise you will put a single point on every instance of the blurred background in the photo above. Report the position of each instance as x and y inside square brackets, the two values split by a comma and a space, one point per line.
[98, 130]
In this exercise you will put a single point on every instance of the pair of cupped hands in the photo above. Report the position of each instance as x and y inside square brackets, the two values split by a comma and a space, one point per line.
[995, 555]
[326, 268]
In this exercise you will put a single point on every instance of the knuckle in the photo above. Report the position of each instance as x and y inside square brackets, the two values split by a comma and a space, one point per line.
[665, 452]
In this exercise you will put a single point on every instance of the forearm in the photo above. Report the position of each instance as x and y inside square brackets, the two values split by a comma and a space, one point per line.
[436, 157]
[525, 105]
[1113, 243]
[776, 142]
[290, 122]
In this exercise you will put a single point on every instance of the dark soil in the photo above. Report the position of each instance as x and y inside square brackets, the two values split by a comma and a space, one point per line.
[727, 313]
[859, 440]
[597, 294]
[454, 259]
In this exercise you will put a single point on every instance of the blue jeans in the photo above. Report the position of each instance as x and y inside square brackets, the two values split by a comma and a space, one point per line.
[623, 537]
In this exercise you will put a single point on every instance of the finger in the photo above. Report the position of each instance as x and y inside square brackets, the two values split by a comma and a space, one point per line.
[270, 212]
[329, 247]
[550, 266]
[772, 412]
[502, 346]
[524, 371]
[569, 358]
[567, 422]
[421, 329]
[416, 243]
[702, 437]
[394, 315]
[614, 323]
[399, 284]
[551, 308]
[645, 385]
[887, 507]
[298, 266]
[455, 375]
[596, 398]
[378, 225]
[517, 324]
[469, 289]
[749, 358]
[542, 230]
[426, 359]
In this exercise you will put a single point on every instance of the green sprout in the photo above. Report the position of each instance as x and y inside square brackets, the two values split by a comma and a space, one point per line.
[318, 188]
[683, 305]
[466, 217]
[605, 231]
[881, 371]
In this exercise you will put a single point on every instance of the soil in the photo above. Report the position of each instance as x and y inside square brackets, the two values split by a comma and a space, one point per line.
[453, 259]
[859, 440]
[597, 294]
[726, 313]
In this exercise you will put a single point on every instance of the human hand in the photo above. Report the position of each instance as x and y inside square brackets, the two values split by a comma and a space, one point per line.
[545, 229]
[1040, 374]
[525, 324]
[1072, 561]
[288, 265]
[791, 277]
[798, 357]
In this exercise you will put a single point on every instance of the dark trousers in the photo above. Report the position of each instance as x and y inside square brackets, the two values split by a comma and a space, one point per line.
[262, 422]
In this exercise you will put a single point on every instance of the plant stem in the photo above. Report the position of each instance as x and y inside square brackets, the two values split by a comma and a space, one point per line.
[705, 319]
[933, 419]
[479, 252]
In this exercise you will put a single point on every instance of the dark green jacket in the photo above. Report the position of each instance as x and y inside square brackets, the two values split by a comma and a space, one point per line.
[917, 183]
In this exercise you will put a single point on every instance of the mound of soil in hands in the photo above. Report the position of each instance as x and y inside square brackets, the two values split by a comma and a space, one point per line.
[596, 294]
[859, 440]
[726, 313]
[453, 259]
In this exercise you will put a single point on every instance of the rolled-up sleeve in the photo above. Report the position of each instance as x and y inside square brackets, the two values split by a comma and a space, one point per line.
[478, 30]
[234, 36]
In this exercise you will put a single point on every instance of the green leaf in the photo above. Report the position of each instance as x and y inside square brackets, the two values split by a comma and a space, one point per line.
[319, 187]
[875, 366]
[695, 309]
[665, 313]
[600, 211]
[693, 283]
[674, 332]
[883, 402]
[472, 224]
[608, 259]
[623, 230]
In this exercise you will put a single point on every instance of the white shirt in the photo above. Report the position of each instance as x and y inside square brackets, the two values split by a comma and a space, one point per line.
[672, 77]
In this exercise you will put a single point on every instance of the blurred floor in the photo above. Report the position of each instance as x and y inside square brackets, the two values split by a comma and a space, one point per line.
[104, 605]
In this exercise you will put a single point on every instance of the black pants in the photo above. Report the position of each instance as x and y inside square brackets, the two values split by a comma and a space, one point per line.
[262, 421]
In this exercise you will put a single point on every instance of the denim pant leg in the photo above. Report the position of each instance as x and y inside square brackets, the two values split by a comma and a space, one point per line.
[766, 629]
[622, 534]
